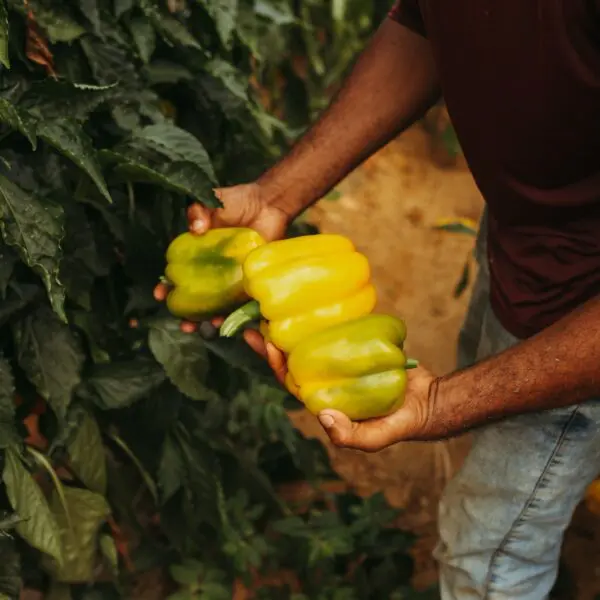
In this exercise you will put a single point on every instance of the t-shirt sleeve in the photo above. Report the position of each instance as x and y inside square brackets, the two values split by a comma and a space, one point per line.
[409, 14]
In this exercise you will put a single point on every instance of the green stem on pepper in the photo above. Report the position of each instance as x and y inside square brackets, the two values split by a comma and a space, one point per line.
[238, 318]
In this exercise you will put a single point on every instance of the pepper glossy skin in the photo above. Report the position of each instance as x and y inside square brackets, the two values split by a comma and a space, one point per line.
[357, 367]
[307, 284]
[205, 273]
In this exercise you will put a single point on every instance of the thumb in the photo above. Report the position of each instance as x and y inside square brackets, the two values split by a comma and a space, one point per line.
[370, 436]
[199, 218]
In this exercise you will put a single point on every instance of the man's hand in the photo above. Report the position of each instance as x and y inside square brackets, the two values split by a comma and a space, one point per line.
[243, 206]
[410, 423]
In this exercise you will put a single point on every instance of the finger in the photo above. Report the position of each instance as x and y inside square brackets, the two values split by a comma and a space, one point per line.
[256, 342]
[188, 327]
[277, 362]
[199, 218]
[161, 291]
[370, 436]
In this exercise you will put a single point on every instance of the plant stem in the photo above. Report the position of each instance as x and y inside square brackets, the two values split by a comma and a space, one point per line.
[411, 363]
[238, 318]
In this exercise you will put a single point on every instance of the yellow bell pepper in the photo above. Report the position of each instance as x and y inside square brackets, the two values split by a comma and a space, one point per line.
[204, 272]
[302, 286]
[357, 367]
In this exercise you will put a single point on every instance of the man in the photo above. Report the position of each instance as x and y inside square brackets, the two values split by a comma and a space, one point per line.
[521, 80]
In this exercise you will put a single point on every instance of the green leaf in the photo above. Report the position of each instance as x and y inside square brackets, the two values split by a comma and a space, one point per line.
[41, 459]
[4, 58]
[40, 528]
[35, 228]
[110, 63]
[230, 77]
[224, 14]
[55, 19]
[8, 430]
[86, 453]
[67, 136]
[181, 177]
[144, 37]
[16, 118]
[120, 384]
[123, 6]
[53, 99]
[188, 573]
[10, 569]
[172, 30]
[91, 10]
[110, 553]
[138, 464]
[277, 11]
[184, 358]
[50, 356]
[176, 144]
[171, 469]
[162, 71]
[88, 512]
[16, 299]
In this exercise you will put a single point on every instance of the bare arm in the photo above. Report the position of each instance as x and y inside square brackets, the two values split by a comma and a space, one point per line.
[392, 84]
[558, 367]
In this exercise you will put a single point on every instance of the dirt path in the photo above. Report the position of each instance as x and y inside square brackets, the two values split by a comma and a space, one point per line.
[388, 207]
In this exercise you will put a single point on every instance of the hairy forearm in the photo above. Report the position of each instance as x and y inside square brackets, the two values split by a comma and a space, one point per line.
[392, 84]
[558, 367]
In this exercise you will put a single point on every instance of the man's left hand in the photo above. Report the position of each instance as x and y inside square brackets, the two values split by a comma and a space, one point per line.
[412, 422]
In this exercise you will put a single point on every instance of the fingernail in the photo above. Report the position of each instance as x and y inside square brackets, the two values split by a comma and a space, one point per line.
[198, 226]
[327, 421]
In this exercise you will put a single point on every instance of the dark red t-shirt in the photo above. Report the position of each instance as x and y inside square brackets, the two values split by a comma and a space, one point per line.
[521, 81]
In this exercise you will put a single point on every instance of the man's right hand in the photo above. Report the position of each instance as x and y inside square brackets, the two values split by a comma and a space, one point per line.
[243, 206]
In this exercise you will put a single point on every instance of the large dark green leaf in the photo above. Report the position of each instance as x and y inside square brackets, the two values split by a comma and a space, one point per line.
[110, 63]
[55, 19]
[8, 431]
[17, 119]
[170, 28]
[50, 356]
[144, 37]
[176, 144]
[182, 177]
[86, 453]
[224, 14]
[67, 136]
[35, 228]
[184, 358]
[79, 538]
[120, 384]
[52, 99]
[39, 527]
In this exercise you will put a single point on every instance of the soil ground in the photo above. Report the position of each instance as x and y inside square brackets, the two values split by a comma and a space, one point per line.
[388, 206]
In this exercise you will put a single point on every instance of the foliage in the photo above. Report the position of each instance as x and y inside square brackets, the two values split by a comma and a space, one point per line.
[127, 445]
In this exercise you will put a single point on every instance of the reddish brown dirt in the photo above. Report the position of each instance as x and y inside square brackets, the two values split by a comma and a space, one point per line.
[388, 206]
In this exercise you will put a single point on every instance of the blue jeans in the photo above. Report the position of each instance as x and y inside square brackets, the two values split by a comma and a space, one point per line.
[502, 517]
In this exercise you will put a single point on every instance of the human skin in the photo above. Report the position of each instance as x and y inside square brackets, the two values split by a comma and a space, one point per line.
[392, 85]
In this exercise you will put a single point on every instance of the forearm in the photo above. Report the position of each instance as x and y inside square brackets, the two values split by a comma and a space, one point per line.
[392, 84]
[558, 367]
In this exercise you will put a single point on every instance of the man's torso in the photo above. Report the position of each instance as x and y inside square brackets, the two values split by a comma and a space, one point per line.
[521, 81]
